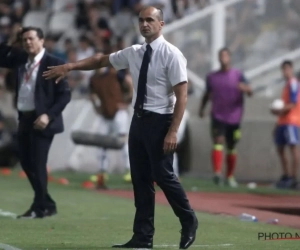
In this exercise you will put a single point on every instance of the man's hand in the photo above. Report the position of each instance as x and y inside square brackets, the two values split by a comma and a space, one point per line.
[170, 142]
[41, 122]
[58, 72]
[15, 37]
[275, 112]
[278, 112]
[246, 89]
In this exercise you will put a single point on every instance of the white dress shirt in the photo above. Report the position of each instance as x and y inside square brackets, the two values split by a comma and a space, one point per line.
[27, 88]
[167, 68]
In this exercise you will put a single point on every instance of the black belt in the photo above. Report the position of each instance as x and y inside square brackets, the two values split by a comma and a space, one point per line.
[147, 113]
[143, 113]
[28, 113]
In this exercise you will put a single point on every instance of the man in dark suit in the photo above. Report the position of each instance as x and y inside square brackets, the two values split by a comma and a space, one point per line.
[40, 104]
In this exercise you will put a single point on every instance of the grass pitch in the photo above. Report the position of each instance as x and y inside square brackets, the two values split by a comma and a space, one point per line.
[88, 220]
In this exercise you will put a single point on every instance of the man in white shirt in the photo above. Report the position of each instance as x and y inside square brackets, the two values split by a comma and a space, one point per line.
[159, 75]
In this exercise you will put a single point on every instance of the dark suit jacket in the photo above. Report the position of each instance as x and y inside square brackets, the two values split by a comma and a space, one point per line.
[50, 98]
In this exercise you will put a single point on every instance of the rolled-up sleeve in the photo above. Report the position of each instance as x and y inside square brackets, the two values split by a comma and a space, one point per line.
[177, 71]
[119, 60]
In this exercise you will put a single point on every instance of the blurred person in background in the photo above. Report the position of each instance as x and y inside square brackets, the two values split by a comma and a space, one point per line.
[74, 77]
[68, 45]
[5, 25]
[50, 46]
[111, 96]
[298, 76]
[102, 35]
[225, 88]
[286, 132]
[85, 50]
[18, 12]
[40, 105]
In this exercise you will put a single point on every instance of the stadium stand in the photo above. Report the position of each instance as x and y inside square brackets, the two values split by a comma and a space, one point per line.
[260, 33]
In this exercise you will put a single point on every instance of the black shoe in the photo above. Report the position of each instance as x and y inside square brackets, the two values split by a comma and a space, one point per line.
[188, 236]
[31, 214]
[50, 212]
[282, 182]
[291, 183]
[135, 244]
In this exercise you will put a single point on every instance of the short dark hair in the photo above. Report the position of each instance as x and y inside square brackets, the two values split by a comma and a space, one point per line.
[84, 38]
[38, 31]
[225, 49]
[68, 40]
[287, 63]
[160, 15]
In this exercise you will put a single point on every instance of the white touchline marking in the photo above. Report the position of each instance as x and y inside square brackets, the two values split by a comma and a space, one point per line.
[8, 247]
[7, 214]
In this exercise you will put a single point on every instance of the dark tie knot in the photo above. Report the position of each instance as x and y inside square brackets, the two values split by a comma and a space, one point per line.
[148, 47]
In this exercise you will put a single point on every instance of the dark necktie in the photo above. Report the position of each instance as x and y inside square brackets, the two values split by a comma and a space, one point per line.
[141, 92]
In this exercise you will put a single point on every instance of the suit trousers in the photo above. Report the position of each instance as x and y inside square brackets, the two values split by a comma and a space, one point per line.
[33, 149]
[149, 163]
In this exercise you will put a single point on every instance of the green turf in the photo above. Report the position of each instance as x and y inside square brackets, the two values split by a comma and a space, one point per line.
[90, 220]
[189, 183]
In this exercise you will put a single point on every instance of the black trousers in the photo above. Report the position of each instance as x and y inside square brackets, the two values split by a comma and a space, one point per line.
[148, 163]
[33, 149]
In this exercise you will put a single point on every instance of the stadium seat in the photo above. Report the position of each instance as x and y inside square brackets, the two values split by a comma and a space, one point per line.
[61, 22]
[59, 5]
[36, 18]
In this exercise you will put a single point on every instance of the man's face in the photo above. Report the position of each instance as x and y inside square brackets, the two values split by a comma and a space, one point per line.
[83, 44]
[31, 42]
[287, 71]
[149, 23]
[224, 58]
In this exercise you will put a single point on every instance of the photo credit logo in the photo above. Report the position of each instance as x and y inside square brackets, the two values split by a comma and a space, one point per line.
[278, 236]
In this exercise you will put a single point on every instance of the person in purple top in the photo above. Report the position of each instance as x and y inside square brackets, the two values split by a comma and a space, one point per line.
[225, 88]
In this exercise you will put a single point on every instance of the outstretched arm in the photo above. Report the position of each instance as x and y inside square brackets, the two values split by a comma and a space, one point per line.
[119, 60]
[90, 63]
[94, 62]
[244, 85]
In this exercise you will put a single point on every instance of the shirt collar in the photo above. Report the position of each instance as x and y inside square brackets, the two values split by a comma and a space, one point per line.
[154, 45]
[38, 57]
